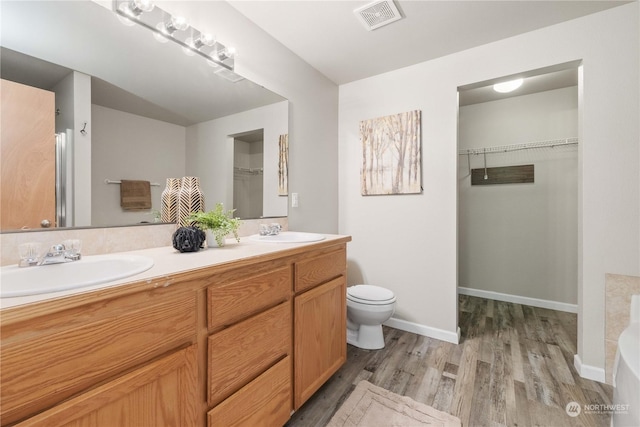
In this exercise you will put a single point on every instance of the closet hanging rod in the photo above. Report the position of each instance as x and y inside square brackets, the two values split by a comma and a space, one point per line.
[248, 170]
[110, 181]
[518, 147]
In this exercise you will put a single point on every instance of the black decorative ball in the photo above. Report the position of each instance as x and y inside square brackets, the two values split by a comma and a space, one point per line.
[188, 239]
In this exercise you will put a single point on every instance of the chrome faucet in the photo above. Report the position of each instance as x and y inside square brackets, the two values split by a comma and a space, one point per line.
[57, 254]
[270, 229]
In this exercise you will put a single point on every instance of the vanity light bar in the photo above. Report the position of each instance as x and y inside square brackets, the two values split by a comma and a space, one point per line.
[166, 26]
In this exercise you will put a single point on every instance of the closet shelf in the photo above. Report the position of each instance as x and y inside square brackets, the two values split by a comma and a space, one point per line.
[250, 171]
[517, 147]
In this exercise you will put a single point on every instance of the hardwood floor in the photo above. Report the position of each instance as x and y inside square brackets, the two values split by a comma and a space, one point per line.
[513, 367]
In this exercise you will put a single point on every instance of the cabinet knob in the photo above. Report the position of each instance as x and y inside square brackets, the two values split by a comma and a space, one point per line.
[45, 223]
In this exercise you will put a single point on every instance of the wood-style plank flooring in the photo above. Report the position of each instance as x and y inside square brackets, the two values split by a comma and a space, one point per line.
[513, 367]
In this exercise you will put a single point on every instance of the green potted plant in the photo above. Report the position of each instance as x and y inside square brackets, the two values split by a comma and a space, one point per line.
[217, 224]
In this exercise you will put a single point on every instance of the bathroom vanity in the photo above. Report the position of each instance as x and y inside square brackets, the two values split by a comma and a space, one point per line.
[242, 336]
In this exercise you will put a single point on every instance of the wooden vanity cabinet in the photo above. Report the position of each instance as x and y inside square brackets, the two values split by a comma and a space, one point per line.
[241, 344]
[114, 353]
[320, 321]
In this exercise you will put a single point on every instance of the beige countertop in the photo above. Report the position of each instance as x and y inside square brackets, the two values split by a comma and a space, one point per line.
[168, 263]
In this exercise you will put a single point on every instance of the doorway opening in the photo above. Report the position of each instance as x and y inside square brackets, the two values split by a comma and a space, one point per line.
[248, 160]
[518, 238]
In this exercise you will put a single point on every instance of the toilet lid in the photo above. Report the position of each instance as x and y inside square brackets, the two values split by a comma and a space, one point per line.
[369, 294]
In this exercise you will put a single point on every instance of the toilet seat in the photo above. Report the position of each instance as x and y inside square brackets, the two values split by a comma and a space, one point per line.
[370, 295]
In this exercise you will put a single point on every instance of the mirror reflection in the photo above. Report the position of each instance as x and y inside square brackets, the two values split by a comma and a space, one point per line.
[126, 108]
[248, 173]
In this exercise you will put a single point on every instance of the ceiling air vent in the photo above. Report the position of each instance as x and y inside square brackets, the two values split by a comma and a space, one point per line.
[377, 14]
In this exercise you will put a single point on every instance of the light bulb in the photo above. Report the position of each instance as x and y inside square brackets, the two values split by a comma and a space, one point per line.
[225, 53]
[142, 5]
[508, 86]
[203, 40]
[177, 23]
[135, 8]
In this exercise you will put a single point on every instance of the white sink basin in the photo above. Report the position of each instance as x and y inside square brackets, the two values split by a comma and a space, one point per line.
[289, 237]
[89, 271]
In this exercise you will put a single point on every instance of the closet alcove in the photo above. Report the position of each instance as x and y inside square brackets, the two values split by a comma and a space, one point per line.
[518, 237]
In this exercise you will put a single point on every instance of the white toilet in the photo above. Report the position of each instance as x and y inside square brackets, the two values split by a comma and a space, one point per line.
[368, 307]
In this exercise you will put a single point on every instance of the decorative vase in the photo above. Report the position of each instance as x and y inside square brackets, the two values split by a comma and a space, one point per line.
[169, 211]
[211, 240]
[190, 199]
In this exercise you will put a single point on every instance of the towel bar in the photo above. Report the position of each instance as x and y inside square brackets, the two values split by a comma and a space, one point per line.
[110, 181]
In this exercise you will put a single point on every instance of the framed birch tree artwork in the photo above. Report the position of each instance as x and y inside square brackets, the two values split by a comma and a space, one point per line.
[283, 165]
[391, 161]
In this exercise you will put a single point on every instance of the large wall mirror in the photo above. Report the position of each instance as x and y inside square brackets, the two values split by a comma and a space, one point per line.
[131, 108]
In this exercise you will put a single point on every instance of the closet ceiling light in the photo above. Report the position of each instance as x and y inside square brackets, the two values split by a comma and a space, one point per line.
[166, 27]
[508, 86]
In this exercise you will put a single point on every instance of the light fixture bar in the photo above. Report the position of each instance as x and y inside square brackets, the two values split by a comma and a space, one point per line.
[184, 35]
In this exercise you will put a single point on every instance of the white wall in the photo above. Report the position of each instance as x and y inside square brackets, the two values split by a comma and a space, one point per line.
[406, 243]
[409, 243]
[82, 147]
[127, 146]
[210, 155]
[521, 239]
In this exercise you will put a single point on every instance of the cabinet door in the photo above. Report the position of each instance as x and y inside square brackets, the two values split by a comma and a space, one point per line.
[161, 393]
[228, 303]
[264, 402]
[243, 351]
[48, 359]
[320, 329]
[320, 268]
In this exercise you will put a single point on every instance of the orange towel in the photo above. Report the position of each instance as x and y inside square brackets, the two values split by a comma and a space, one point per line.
[135, 195]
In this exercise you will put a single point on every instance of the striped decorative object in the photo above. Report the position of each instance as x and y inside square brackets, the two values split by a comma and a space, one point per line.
[190, 199]
[169, 211]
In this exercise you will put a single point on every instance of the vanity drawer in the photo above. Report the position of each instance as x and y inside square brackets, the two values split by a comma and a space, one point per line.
[229, 303]
[265, 401]
[319, 269]
[50, 358]
[242, 352]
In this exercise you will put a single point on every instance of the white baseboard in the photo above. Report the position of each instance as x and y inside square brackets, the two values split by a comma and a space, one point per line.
[534, 302]
[427, 331]
[587, 371]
